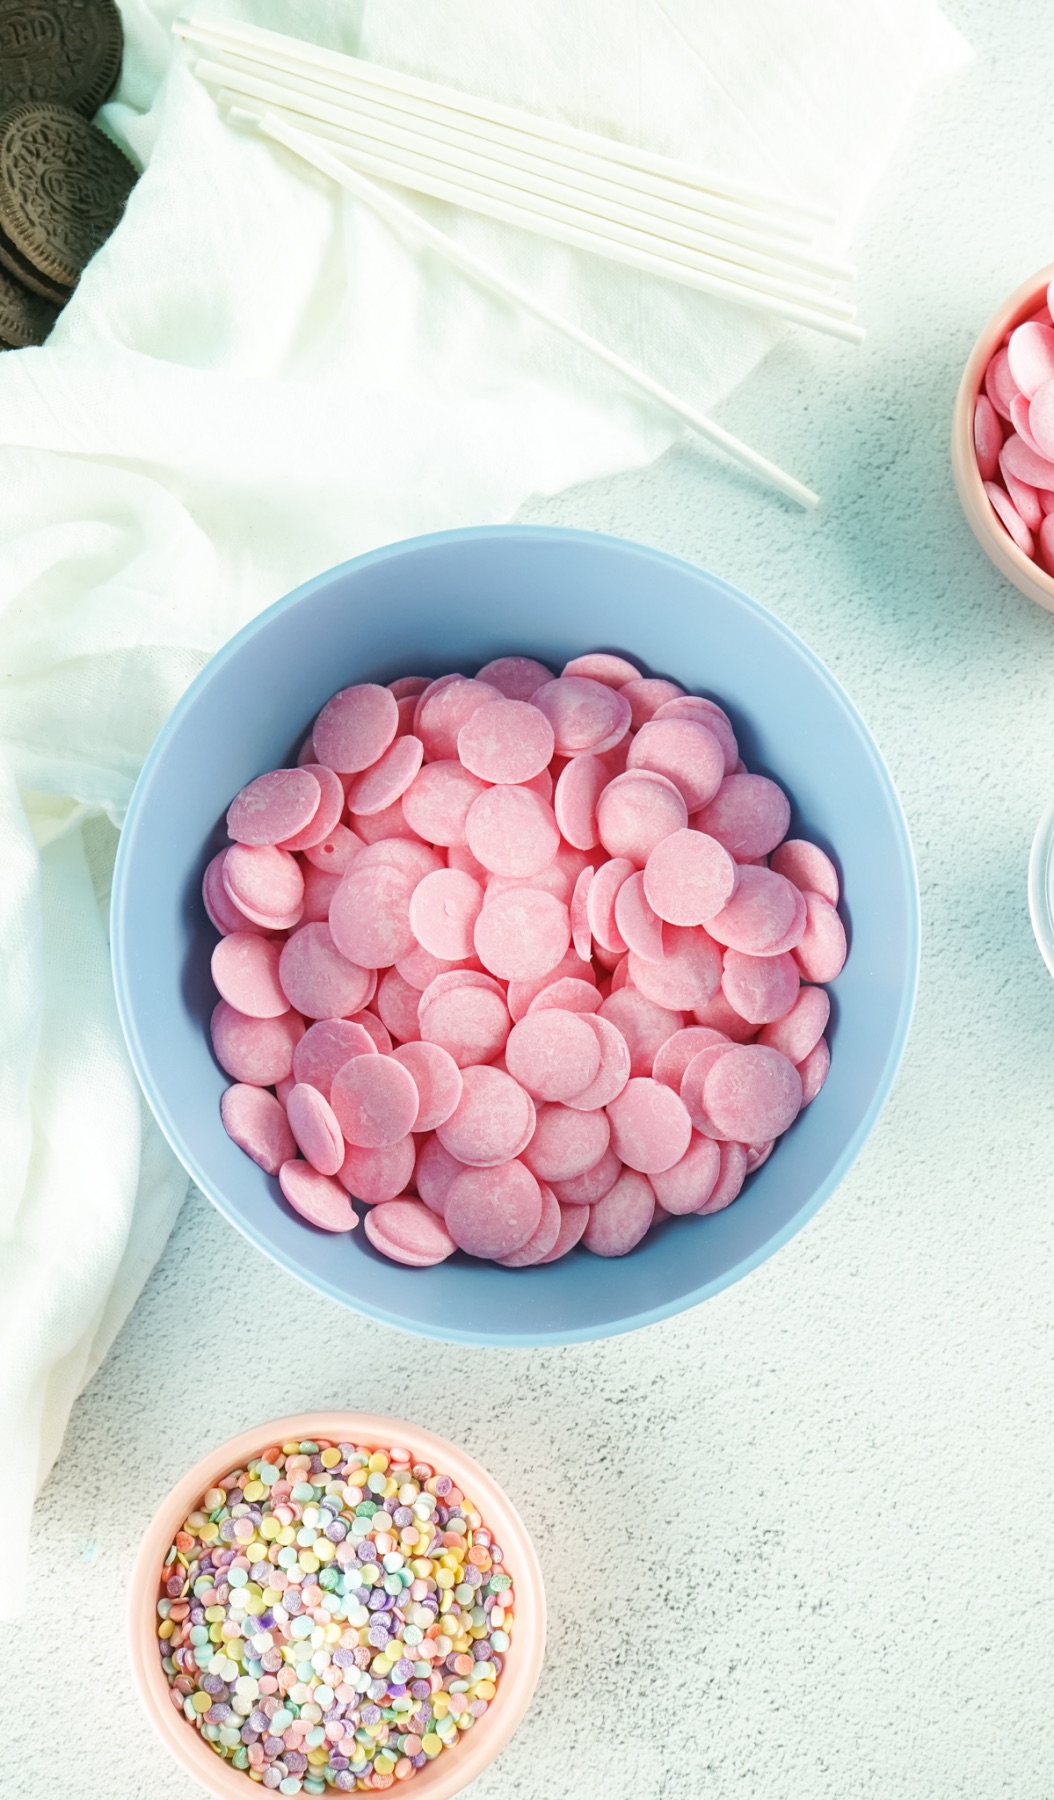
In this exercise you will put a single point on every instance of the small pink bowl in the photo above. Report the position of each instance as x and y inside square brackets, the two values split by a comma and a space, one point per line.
[1014, 564]
[452, 1771]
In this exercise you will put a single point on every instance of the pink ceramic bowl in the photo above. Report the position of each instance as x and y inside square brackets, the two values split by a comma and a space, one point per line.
[1014, 564]
[452, 1771]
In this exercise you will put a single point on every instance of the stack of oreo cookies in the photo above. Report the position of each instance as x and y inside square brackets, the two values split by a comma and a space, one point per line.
[63, 184]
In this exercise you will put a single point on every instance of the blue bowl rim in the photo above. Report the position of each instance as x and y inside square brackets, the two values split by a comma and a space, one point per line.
[159, 1108]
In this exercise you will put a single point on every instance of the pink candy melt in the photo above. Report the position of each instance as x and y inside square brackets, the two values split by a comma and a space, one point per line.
[636, 811]
[643, 1024]
[409, 1233]
[760, 914]
[327, 814]
[807, 866]
[677, 1052]
[688, 973]
[636, 922]
[650, 1127]
[375, 1100]
[326, 1047]
[619, 1221]
[469, 1021]
[686, 752]
[543, 1239]
[444, 709]
[689, 877]
[512, 831]
[517, 677]
[553, 1054]
[506, 741]
[315, 1128]
[444, 908]
[265, 882]
[575, 798]
[760, 988]
[566, 1143]
[501, 959]
[749, 815]
[522, 935]
[273, 807]
[584, 715]
[752, 1093]
[600, 665]
[493, 1211]
[813, 1070]
[435, 1172]
[437, 1079]
[386, 780]
[492, 1121]
[1030, 354]
[821, 950]
[317, 1198]
[573, 1222]
[369, 915]
[318, 979]
[582, 1190]
[256, 1051]
[800, 1029]
[355, 728]
[374, 1175]
[437, 802]
[645, 695]
[398, 1003]
[245, 970]
[256, 1121]
[223, 913]
[687, 1186]
[987, 437]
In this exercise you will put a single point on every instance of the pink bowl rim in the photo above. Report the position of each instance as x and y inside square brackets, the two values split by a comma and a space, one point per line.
[1026, 575]
[450, 1774]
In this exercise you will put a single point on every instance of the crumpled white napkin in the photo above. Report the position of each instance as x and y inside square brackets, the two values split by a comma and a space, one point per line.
[257, 379]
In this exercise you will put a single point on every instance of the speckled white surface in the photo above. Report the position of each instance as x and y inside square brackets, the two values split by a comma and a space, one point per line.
[796, 1542]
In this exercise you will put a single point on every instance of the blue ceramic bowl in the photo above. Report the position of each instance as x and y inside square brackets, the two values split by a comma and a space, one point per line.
[456, 600]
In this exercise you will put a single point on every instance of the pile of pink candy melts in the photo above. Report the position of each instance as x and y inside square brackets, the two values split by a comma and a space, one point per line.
[518, 961]
[1014, 435]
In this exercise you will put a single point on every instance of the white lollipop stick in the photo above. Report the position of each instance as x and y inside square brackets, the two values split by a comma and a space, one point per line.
[523, 180]
[403, 218]
[541, 218]
[530, 124]
[546, 158]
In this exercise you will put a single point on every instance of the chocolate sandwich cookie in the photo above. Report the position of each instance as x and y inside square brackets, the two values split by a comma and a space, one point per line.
[25, 273]
[67, 52]
[25, 318]
[63, 188]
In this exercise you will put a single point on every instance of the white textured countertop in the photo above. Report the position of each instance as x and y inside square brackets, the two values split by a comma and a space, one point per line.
[796, 1542]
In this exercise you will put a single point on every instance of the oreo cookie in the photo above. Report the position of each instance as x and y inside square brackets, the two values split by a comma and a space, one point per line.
[25, 318]
[67, 52]
[63, 188]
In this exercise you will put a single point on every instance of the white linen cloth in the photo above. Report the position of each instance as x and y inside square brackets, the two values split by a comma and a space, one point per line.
[257, 379]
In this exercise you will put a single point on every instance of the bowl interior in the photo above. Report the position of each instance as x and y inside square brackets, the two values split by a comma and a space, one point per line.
[523, 1660]
[1025, 574]
[455, 601]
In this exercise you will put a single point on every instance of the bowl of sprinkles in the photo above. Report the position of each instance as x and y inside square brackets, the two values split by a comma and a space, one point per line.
[334, 1603]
